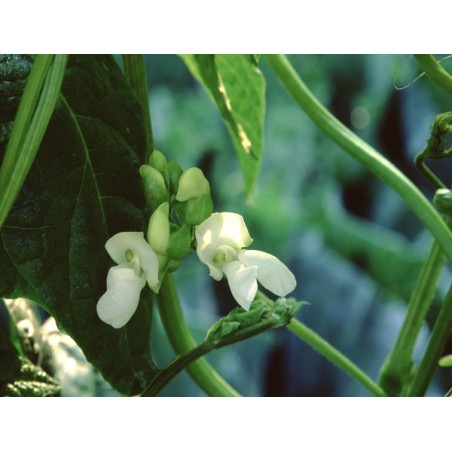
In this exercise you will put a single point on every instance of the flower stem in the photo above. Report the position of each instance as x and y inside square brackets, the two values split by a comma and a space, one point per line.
[435, 346]
[363, 152]
[183, 343]
[335, 356]
[135, 72]
[397, 368]
[435, 71]
[36, 107]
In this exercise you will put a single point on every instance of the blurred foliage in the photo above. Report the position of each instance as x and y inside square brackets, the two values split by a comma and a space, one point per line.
[355, 248]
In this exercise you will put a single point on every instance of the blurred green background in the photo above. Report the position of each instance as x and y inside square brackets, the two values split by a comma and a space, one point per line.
[353, 246]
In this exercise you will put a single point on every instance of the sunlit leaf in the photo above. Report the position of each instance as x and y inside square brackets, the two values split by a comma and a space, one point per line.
[237, 87]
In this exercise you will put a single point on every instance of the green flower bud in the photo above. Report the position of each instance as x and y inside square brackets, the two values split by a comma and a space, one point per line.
[180, 243]
[196, 210]
[175, 172]
[155, 190]
[446, 361]
[158, 161]
[443, 201]
[159, 229]
[192, 184]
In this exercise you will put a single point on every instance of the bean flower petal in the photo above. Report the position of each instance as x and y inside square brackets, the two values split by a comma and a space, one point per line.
[271, 272]
[120, 301]
[220, 230]
[242, 282]
[144, 256]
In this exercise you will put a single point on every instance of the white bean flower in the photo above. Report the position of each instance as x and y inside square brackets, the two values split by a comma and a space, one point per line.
[220, 241]
[137, 264]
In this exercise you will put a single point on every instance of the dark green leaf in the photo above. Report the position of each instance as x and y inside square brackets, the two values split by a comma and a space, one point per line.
[83, 188]
[238, 88]
[10, 363]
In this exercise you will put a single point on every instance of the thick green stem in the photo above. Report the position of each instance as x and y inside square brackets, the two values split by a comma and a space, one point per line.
[363, 152]
[182, 341]
[435, 71]
[435, 346]
[334, 355]
[135, 72]
[397, 368]
[35, 110]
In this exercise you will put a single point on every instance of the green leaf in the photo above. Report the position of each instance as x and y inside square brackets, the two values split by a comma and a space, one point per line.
[237, 87]
[10, 363]
[84, 186]
[263, 315]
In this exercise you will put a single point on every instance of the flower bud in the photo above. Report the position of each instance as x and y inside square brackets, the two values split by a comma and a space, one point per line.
[175, 172]
[159, 229]
[158, 161]
[196, 210]
[180, 243]
[155, 190]
[192, 184]
[446, 361]
[443, 201]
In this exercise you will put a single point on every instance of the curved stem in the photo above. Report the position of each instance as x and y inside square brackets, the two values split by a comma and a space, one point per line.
[363, 152]
[396, 370]
[435, 346]
[335, 356]
[435, 71]
[135, 72]
[183, 343]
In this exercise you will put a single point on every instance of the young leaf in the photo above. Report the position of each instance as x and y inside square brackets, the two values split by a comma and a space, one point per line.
[237, 87]
[83, 187]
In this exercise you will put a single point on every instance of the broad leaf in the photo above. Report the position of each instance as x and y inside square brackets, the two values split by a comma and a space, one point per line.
[238, 88]
[83, 188]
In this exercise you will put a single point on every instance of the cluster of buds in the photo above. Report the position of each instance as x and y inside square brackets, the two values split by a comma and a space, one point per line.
[181, 219]
[168, 189]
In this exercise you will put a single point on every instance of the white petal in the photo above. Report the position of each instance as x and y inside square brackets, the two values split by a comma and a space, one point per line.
[271, 272]
[120, 301]
[220, 229]
[117, 246]
[150, 264]
[242, 282]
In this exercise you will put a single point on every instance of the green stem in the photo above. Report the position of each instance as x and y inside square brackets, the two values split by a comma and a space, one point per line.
[396, 370]
[183, 343]
[181, 362]
[362, 151]
[435, 346]
[336, 357]
[435, 71]
[32, 118]
[135, 72]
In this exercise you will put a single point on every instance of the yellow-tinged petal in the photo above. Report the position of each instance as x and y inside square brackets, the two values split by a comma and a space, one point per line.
[224, 229]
